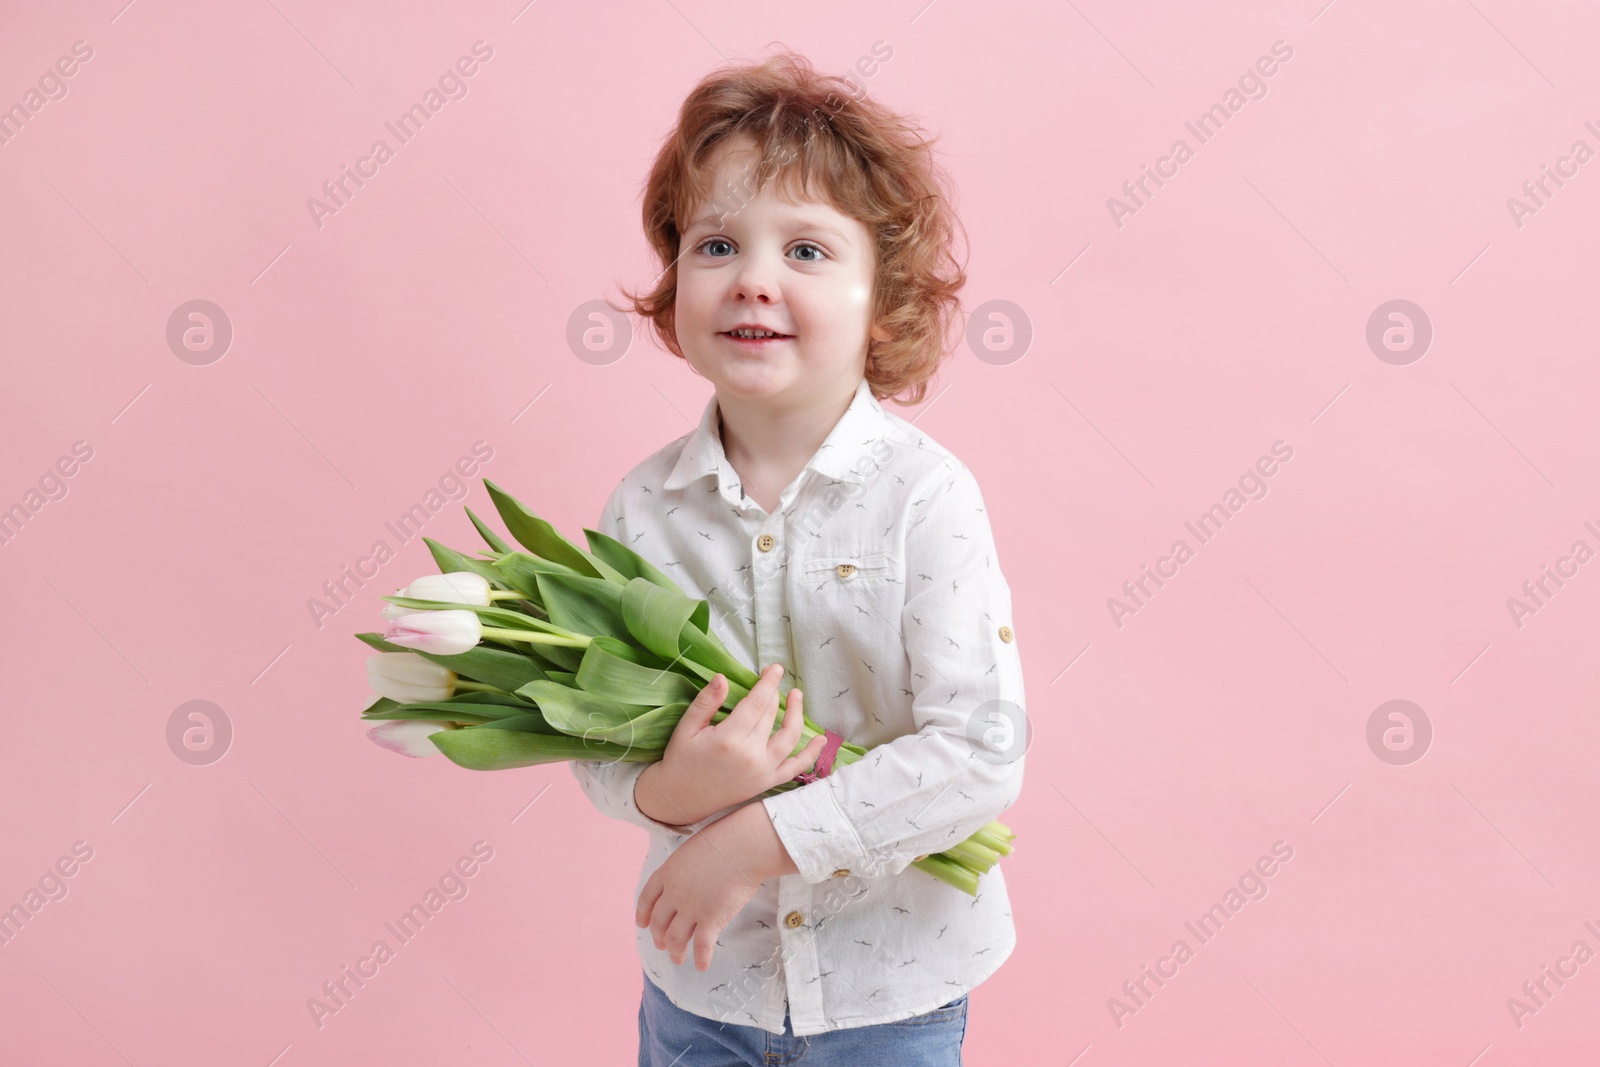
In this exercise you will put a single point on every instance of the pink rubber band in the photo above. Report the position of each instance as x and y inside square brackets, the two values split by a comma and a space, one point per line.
[830, 748]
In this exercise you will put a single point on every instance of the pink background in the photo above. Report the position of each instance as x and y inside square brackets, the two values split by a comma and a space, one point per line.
[1169, 752]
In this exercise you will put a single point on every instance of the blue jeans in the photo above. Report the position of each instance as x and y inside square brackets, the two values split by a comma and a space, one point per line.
[672, 1037]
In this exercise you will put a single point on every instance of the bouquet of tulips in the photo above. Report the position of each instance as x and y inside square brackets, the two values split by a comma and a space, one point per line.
[557, 653]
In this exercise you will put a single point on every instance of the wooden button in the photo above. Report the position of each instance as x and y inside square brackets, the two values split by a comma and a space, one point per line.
[765, 542]
[920, 858]
[1006, 634]
[793, 919]
[845, 570]
[842, 872]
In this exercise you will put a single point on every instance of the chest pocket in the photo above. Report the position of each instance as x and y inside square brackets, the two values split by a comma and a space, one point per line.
[846, 571]
[852, 590]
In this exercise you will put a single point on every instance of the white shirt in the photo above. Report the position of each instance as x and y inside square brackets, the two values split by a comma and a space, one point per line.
[906, 654]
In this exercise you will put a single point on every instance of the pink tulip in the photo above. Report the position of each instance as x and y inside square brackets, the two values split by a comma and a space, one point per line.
[443, 633]
[409, 737]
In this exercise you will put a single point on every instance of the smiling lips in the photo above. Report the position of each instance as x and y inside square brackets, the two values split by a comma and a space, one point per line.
[755, 337]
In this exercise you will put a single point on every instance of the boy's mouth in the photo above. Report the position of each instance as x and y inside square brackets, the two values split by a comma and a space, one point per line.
[753, 334]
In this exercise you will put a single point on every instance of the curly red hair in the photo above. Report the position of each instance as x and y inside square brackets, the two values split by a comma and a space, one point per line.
[871, 164]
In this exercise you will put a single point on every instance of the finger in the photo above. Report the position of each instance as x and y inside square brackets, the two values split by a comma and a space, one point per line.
[647, 901]
[705, 704]
[705, 941]
[794, 716]
[763, 693]
[808, 755]
[660, 925]
[678, 935]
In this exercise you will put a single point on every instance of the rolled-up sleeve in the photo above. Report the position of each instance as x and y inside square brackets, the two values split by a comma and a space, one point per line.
[929, 790]
[609, 786]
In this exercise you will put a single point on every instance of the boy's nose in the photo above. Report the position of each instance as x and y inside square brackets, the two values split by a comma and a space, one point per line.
[755, 281]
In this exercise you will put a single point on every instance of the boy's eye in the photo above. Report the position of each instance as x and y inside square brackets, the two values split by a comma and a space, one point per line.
[709, 243]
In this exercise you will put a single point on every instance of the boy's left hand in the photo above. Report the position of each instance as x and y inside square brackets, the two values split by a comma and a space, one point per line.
[708, 880]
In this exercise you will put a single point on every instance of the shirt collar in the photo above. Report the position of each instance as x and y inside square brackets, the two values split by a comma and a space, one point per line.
[846, 454]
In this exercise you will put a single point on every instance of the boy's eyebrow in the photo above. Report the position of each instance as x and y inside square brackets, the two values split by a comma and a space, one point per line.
[799, 224]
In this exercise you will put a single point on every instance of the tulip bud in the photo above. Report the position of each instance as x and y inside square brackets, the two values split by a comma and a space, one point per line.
[444, 633]
[456, 587]
[409, 737]
[407, 678]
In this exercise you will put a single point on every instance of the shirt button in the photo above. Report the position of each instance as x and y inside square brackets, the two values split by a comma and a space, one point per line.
[842, 872]
[765, 542]
[1006, 634]
[845, 570]
[793, 919]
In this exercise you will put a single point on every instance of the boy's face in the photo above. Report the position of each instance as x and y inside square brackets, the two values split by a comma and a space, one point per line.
[802, 269]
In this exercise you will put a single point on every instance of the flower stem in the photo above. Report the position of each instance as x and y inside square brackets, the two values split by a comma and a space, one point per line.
[500, 633]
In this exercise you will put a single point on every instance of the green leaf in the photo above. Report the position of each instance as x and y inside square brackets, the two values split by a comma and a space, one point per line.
[464, 707]
[425, 714]
[521, 571]
[481, 749]
[651, 729]
[584, 605]
[503, 670]
[489, 535]
[448, 560]
[656, 617]
[381, 704]
[491, 615]
[528, 724]
[544, 540]
[626, 561]
[610, 669]
[578, 712]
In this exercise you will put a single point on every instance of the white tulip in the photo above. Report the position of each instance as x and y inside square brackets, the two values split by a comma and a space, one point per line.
[407, 678]
[456, 587]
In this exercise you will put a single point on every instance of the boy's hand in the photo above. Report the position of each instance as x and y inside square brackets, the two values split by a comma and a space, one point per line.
[706, 768]
[707, 881]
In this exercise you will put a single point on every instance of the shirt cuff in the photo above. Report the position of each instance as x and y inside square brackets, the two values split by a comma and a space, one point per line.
[818, 836]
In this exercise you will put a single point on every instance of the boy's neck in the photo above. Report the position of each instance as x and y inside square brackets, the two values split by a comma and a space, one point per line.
[770, 446]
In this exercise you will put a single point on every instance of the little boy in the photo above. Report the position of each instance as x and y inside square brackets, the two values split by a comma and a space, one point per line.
[805, 240]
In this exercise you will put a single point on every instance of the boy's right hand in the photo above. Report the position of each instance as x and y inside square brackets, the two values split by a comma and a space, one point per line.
[706, 768]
